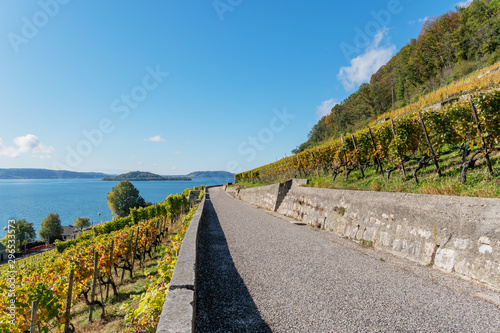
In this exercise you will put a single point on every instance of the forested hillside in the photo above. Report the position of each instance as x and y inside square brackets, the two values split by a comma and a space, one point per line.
[46, 174]
[448, 48]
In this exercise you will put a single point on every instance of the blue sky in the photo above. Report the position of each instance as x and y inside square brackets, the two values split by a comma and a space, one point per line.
[176, 86]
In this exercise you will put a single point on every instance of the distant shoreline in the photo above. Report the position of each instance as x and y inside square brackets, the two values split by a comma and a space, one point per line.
[33, 173]
[171, 179]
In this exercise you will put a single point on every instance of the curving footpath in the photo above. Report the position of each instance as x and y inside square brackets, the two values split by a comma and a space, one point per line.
[257, 272]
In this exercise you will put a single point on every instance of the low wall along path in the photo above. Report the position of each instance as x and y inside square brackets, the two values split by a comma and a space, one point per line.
[457, 234]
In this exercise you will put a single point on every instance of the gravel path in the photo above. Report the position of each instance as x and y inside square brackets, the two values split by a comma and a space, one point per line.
[260, 273]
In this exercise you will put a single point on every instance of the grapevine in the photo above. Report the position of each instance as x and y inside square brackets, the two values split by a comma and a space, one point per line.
[451, 125]
[46, 280]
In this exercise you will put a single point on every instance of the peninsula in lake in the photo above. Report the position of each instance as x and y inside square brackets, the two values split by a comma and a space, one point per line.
[144, 176]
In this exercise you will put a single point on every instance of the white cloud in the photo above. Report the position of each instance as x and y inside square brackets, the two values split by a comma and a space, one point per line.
[464, 4]
[177, 153]
[156, 138]
[420, 20]
[8, 151]
[30, 144]
[363, 66]
[325, 108]
[26, 144]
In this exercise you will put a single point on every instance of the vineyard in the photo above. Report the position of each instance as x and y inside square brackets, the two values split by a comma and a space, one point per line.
[39, 293]
[483, 80]
[470, 126]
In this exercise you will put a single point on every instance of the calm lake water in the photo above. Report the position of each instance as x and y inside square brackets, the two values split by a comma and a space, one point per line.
[33, 199]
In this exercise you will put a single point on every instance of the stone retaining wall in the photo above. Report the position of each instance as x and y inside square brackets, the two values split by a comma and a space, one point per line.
[262, 196]
[457, 234]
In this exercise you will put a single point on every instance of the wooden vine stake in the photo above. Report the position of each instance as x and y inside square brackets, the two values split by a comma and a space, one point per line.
[94, 280]
[476, 119]
[129, 252]
[158, 234]
[345, 158]
[377, 158]
[143, 257]
[110, 277]
[288, 168]
[429, 144]
[359, 163]
[152, 242]
[34, 309]
[67, 328]
[100, 286]
[402, 160]
[135, 249]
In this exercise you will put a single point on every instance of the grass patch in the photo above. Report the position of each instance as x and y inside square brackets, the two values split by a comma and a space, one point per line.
[249, 184]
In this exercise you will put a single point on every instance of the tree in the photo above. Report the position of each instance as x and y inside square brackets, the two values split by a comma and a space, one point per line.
[24, 233]
[81, 222]
[51, 228]
[123, 197]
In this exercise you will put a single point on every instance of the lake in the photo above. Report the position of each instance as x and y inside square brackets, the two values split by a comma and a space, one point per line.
[34, 199]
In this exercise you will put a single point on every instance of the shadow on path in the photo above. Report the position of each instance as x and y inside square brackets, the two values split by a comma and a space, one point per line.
[223, 303]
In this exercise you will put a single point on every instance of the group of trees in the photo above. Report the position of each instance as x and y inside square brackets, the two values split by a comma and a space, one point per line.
[448, 48]
[121, 200]
[50, 230]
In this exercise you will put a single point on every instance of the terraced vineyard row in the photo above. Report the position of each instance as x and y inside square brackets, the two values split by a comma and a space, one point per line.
[485, 79]
[470, 126]
[47, 280]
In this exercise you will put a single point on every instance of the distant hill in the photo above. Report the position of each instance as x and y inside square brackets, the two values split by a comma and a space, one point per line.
[25, 173]
[144, 176]
[211, 174]
[46, 174]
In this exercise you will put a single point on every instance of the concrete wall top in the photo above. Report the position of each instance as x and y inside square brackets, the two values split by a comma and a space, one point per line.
[178, 311]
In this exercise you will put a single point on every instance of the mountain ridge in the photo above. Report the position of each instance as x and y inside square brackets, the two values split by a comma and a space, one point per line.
[36, 173]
